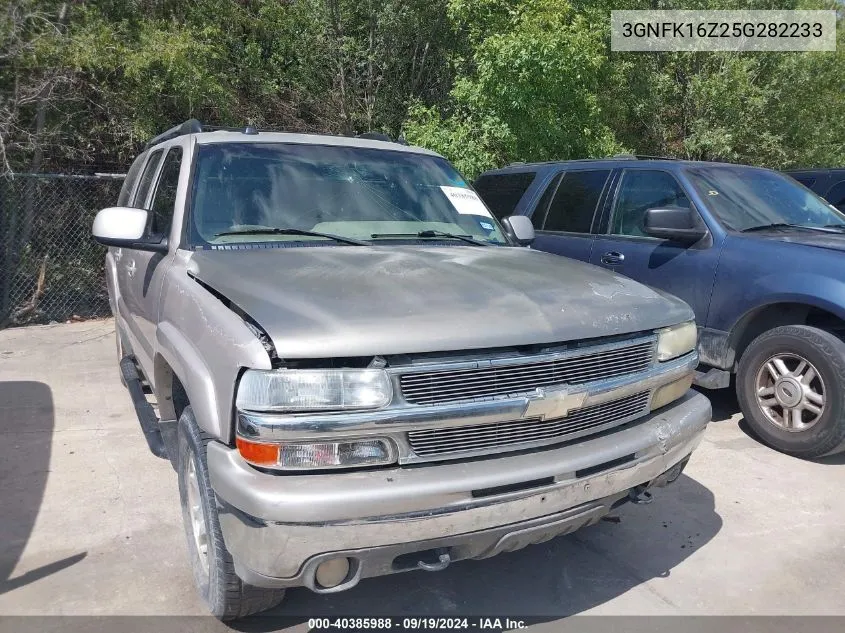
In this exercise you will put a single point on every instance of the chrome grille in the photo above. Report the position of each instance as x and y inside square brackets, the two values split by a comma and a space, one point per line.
[514, 434]
[519, 376]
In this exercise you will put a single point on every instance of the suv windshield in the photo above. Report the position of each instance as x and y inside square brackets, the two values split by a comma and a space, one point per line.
[268, 192]
[746, 198]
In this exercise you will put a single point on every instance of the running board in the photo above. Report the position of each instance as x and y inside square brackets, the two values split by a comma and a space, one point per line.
[144, 410]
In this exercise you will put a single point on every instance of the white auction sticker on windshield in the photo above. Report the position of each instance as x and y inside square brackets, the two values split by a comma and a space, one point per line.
[465, 201]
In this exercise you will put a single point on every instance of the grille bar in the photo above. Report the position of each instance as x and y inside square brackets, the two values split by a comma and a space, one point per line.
[443, 385]
[607, 410]
[454, 441]
[540, 430]
[573, 360]
[517, 381]
[539, 371]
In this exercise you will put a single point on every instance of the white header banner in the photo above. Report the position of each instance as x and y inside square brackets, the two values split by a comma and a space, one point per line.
[654, 30]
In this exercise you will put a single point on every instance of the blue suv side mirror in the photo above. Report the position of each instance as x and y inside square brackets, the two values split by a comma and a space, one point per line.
[673, 223]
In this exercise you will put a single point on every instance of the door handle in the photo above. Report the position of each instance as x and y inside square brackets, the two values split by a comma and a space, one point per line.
[612, 258]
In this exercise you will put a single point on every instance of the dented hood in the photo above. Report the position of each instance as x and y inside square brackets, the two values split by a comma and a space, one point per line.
[338, 301]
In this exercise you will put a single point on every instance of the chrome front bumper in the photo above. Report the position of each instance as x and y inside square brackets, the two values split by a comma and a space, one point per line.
[279, 527]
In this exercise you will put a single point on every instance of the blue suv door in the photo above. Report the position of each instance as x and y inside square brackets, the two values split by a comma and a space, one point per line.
[566, 214]
[685, 270]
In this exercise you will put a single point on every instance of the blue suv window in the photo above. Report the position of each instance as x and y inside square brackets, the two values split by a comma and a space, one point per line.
[502, 192]
[640, 191]
[836, 195]
[574, 205]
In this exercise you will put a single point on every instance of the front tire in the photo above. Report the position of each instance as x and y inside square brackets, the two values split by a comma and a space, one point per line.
[227, 596]
[791, 389]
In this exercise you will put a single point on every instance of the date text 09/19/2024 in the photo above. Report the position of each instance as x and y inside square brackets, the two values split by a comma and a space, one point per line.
[417, 623]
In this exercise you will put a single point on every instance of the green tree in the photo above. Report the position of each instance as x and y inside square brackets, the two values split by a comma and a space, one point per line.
[530, 84]
[764, 108]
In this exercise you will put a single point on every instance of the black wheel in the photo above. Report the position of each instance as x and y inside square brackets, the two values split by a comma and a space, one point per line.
[227, 596]
[791, 389]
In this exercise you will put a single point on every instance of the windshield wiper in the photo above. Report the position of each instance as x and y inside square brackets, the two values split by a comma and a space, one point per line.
[780, 225]
[432, 233]
[278, 231]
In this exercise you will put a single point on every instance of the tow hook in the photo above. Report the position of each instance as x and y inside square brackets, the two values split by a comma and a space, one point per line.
[640, 496]
[443, 561]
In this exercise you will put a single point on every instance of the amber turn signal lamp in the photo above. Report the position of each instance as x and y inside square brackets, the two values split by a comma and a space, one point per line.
[258, 453]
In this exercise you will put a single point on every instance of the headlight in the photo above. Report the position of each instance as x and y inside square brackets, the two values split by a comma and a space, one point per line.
[676, 340]
[349, 453]
[313, 390]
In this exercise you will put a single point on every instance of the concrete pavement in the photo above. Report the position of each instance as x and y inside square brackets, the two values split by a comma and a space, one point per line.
[90, 520]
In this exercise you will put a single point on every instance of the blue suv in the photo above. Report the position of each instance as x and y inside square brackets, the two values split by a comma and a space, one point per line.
[755, 254]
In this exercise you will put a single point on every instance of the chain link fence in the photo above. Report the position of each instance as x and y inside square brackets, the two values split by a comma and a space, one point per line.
[50, 267]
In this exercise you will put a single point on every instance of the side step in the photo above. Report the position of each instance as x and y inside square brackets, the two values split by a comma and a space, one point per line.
[144, 410]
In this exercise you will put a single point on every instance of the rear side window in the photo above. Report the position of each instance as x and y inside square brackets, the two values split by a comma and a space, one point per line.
[836, 195]
[147, 180]
[164, 200]
[502, 192]
[575, 201]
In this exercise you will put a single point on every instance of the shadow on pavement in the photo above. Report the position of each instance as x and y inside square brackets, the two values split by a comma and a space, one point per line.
[562, 577]
[725, 406]
[723, 401]
[26, 435]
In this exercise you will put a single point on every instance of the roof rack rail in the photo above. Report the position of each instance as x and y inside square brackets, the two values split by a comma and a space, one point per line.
[375, 136]
[193, 126]
[248, 129]
[643, 157]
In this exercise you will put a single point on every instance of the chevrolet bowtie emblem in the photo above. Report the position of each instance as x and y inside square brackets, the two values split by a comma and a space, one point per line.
[552, 403]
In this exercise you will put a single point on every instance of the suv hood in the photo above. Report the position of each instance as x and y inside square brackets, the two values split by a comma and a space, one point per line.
[340, 301]
[819, 239]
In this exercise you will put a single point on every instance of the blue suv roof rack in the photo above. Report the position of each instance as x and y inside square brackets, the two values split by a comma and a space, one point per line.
[642, 157]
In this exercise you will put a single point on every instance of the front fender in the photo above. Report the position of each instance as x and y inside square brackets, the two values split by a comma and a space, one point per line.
[206, 345]
[183, 359]
[740, 299]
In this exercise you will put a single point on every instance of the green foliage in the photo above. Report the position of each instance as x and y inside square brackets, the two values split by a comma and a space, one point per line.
[482, 81]
[533, 76]
[473, 143]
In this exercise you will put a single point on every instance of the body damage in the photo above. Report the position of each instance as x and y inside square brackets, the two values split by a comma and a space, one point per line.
[324, 302]
[206, 346]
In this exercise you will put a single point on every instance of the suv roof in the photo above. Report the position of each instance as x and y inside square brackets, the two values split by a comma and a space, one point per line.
[614, 161]
[249, 134]
[823, 171]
